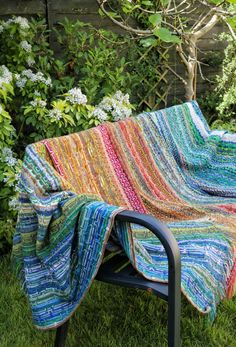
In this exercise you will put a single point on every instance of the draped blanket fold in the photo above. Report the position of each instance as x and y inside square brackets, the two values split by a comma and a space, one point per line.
[168, 164]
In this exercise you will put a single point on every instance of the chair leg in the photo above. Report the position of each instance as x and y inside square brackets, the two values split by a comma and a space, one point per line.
[61, 334]
[174, 320]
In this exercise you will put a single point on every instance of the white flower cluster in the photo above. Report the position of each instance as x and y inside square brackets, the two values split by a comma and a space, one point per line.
[118, 105]
[38, 103]
[1, 109]
[55, 114]
[37, 93]
[14, 203]
[7, 157]
[5, 76]
[100, 114]
[75, 96]
[21, 21]
[17, 182]
[21, 79]
[20, 82]
[26, 46]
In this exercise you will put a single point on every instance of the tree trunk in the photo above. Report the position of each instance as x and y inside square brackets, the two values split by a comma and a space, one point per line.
[191, 71]
[189, 87]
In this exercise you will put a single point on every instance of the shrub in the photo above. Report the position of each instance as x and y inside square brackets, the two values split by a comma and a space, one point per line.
[42, 96]
[96, 59]
[220, 104]
[226, 89]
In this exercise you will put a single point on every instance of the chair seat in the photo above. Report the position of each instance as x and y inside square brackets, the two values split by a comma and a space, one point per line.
[118, 270]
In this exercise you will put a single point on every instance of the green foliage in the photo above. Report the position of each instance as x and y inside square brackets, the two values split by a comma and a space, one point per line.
[213, 58]
[226, 88]
[7, 228]
[217, 2]
[220, 104]
[153, 15]
[208, 103]
[165, 35]
[96, 59]
[41, 96]
[9, 165]
[155, 19]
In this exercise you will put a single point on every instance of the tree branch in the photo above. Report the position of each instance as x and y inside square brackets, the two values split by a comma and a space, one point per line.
[232, 32]
[180, 51]
[173, 11]
[122, 25]
[177, 75]
[207, 27]
[218, 8]
[201, 21]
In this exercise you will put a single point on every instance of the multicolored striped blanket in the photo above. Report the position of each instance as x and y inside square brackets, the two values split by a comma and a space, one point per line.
[168, 164]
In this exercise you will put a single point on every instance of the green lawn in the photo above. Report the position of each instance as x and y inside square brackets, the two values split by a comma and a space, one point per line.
[111, 317]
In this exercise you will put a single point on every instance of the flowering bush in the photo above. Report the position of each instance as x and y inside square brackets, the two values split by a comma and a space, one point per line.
[9, 175]
[113, 108]
[72, 113]
[39, 100]
[226, 89]
[220, 104]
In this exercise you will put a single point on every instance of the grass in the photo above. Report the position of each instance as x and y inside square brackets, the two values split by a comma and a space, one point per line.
[111, 317]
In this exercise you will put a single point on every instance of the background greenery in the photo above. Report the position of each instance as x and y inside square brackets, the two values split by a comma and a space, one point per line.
[42, 96]
[35, 87]
[99, 63]
[220, 104]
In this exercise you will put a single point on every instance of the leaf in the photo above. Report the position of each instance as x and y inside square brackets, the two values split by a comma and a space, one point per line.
[217, 2]
[69, 119]
[101, 13]
[165, 2]
[113, 14]
[147, 3]
[155, 19]
[28, 120]
[7, 127]
[232, 22]
[150, 41]
[5, 191]
[213, 1]
[27, 110]
[165, 35]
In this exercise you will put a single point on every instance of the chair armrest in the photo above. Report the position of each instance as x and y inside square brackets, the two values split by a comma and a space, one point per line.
[170, 244]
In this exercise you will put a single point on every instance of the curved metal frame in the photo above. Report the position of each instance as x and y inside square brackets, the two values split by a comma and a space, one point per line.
[174, 268]
[174, 275]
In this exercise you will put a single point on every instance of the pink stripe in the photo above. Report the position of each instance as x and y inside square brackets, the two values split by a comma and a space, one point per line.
[128, 189]
[54, 158]
[228, 208]
[140, 165]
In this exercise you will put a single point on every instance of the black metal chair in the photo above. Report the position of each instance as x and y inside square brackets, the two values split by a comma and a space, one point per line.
[129, 277]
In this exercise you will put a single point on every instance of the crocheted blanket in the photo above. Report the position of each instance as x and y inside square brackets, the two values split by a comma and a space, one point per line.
[168, 164]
